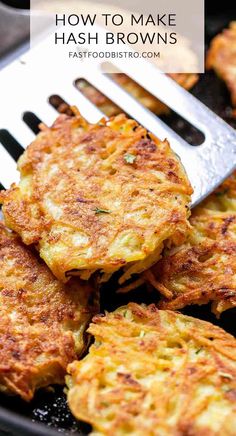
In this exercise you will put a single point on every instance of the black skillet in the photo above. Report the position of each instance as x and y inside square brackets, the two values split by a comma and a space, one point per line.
[48, 413]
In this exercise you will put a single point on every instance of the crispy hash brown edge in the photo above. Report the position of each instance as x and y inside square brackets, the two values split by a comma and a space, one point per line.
[152, 200]
[221, 57]
[203, 269]
[155, 372]
[42, 322]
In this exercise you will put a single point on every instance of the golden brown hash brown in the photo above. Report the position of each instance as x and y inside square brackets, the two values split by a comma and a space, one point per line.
[109, 108]
[98, 197]
[221, 57]
[42, 321]
[204, 268]
[155, 373]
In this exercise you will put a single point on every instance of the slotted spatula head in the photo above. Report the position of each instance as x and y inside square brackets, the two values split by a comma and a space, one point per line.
[27, 84]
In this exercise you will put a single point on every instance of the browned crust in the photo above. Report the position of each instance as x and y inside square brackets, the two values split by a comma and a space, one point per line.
[221, 57]
[155, 372]
[204, 268]
[41, 321]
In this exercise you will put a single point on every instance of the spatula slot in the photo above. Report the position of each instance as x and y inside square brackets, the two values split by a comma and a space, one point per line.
[32, 121]
[60, 105]
[107, 106]
[10, 144]
[186, 130]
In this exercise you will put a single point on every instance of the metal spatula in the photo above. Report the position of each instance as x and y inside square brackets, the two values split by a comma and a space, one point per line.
[25, 87]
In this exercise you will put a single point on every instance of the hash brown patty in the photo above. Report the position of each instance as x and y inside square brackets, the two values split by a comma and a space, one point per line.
[109, 108]
[98, 197]
[221, 57]
[204, 268]
[42, 322]
[155, 373]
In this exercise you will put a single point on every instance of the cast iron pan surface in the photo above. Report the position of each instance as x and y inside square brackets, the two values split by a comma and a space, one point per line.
[48, 413]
